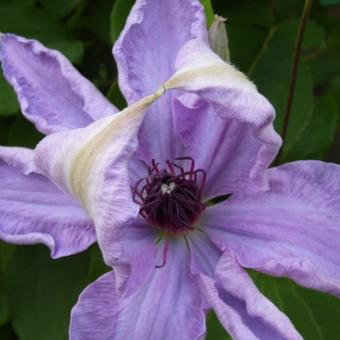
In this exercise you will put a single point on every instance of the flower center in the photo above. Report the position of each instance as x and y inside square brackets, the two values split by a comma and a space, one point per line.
[170, 198]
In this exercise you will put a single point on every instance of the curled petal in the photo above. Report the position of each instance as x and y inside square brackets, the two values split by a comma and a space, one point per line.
[33, 210]
[146, 54]
[92, 164]
[241, 308]
[52, 93]
[168, 306]
[291, 230]
[227, 117]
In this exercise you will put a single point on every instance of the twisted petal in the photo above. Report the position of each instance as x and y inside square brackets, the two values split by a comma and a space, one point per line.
[146, 53]
[168, 306]
[241, 308]
[292, 230]
[52, 93]
[92, 164]
[34, 210]
[227, 125]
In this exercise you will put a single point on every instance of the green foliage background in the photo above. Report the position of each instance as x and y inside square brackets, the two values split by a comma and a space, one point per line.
[37, 293]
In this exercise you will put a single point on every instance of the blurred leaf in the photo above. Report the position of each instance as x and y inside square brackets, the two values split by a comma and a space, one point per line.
[335, 90]
[23, 133]
[116, 97]
[271, 72]
[208, 11]
[4, 310]
[98, 19]
[119, 13]
[325, 66]
[42, 291]
[97, 267]
[60, 7]
[8, 100]
[314, 37]
[256, 13]
[285, 9]
[73, 50]
[252, 38]
[319, 133]
[315, 315]
[329, 2]
[7, 333]
[6, 252]
[34, 22]
[333, 39]
[215, 330]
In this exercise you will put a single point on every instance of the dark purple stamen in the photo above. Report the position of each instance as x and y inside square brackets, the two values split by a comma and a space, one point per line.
[170, 198]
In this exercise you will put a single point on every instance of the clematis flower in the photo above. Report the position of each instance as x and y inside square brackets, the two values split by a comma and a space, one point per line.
[143, 183]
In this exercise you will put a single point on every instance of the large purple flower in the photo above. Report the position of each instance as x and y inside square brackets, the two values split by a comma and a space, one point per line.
[195, 129]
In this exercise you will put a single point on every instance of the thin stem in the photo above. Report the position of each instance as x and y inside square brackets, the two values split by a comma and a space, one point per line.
[299, 40]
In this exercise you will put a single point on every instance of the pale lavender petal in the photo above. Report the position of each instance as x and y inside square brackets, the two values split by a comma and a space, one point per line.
[94, 315]
[138, 256]
[168, 306]
[92, 164]
[146, 53]
[33, 210]
[52, 93]
[241, 308]
[204, 253]
[292, 230]
[227, 126]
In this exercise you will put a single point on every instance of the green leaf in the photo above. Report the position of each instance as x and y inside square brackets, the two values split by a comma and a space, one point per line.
[7, 333]
[284, 9]
[4, 310]
[23, 133]
[73, 50]
[271, 72]
[60, 7]
[215, 330]
[119, 13]
[319, 133]
[335, 90]
[98, 19]
[247, 12]
[6, 252]
[329, 2]
[8, 100]
[252, 39]
[32, 21]
[97, 267]
[314, 37]
[42, 291]
[115, 96]
[208, 11]
[314, 314]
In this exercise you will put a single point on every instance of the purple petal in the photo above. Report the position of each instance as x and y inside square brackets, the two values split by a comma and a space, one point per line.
[52, 93]
[146, 53]
[167, 306]
[94, 315]
[227, 127]
[34, 210]
[241, 308]
[204, 254]
[292, 230]
[138, 252]
[92, 164]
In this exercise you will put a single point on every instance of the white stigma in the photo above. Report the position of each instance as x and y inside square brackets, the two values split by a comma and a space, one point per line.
[167, 188]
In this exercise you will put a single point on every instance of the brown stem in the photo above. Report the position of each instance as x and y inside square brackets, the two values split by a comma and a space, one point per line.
[299, 40]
